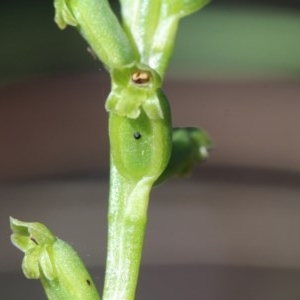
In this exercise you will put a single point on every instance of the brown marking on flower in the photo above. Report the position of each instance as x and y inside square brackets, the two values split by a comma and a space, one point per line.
[34, 240]
[140, 77]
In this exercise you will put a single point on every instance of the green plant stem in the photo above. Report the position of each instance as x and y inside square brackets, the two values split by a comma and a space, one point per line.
[127, 218]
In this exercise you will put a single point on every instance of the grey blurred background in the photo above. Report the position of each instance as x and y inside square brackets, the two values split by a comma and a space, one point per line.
[229, 232]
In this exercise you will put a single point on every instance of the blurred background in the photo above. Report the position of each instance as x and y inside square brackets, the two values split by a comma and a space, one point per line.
[232, 230]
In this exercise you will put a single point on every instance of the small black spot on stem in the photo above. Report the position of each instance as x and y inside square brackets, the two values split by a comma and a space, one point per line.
[137, 135]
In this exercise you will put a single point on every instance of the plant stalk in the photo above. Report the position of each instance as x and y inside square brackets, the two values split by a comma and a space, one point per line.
[125, 236]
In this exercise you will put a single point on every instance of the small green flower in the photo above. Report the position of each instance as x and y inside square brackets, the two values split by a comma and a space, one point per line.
[135, 88]
[53, 261]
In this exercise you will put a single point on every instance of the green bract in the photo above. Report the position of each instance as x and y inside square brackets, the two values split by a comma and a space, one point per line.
[53, 261]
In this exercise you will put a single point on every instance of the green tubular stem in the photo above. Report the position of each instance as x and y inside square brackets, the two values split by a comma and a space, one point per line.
[125, 235]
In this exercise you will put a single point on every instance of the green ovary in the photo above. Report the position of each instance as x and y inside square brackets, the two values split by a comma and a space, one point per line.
[141, 147]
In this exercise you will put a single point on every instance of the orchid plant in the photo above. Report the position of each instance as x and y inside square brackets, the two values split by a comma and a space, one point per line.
[145, 150]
